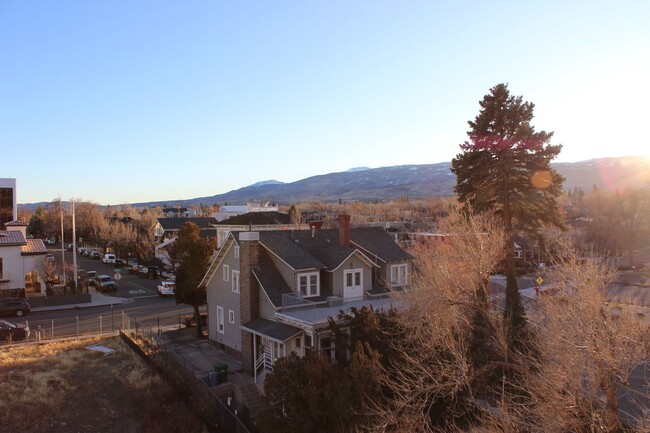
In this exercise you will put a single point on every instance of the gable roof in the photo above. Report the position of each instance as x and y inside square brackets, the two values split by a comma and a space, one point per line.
[284, 246]
[257, 218]
[177, 223]
[377, 242]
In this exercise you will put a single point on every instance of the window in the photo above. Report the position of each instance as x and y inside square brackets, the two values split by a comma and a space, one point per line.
[220, 325]
[353, 283]
[298, 342]
[235, 281]
[231, 316]
[226, 272]
[236, 252]
[517, 254]
[308, 284]
[398, 275]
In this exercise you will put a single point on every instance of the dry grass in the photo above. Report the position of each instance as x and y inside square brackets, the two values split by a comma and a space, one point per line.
[62, 387]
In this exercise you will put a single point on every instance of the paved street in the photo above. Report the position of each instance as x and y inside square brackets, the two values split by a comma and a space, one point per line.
[144, 304]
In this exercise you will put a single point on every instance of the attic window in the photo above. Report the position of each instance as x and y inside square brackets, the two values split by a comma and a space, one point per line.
[308, 284]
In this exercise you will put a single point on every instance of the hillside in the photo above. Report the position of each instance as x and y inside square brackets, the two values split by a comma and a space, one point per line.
[427, 180]
[417, 181]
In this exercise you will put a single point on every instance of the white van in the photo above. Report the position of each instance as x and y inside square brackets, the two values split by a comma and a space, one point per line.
[109, 258]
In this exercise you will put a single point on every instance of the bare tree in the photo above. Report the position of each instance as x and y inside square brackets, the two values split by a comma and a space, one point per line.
[456, 371]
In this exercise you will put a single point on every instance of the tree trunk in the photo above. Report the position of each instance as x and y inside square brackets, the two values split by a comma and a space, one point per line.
[514, 312]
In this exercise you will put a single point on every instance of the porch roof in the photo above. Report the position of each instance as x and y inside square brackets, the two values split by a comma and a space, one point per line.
[276, 331]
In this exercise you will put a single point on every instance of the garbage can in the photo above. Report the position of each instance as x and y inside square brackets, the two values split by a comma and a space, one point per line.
[212, 379]
[222, 372]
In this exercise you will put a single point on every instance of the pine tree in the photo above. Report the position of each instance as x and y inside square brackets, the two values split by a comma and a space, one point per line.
[505, 167]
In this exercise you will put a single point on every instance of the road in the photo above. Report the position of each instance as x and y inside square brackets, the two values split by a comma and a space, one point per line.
[146, 306]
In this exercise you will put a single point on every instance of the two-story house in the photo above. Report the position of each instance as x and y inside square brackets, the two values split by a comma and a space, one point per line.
[271, 293]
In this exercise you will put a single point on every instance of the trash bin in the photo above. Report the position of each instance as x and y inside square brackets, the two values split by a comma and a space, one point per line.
[222, 372]
[213, 380]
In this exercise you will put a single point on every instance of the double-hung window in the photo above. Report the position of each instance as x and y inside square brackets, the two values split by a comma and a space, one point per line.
[236, 252]
[399, 275]
[235, 281]
[309, 284]
[226, 273]
[220, 324]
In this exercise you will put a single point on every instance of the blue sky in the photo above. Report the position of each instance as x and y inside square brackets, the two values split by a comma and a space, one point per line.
[130, 101]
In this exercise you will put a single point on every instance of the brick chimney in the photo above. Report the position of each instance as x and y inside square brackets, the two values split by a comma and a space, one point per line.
[249, 294]
[344, 230]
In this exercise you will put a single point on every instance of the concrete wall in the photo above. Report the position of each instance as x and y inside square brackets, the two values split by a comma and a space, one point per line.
[13, 265]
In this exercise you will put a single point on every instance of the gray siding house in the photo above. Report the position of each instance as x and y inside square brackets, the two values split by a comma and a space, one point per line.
[271, 293]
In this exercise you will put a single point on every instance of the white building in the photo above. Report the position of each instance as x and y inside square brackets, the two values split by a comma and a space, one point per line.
[229, 211]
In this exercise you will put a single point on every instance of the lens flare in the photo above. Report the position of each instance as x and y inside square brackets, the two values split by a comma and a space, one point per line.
[542, 179]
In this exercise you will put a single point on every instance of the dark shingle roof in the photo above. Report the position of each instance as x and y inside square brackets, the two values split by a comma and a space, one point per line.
[376, 241]
[277, 331]
[257, 218]
[324, 246]
[177, 223]
[270, 279]
[303, 250]
[284, 246]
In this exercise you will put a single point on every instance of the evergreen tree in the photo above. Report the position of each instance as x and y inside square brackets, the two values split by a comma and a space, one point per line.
[193, 254]
[505, 167]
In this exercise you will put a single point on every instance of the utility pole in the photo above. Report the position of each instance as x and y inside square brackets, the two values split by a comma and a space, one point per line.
[74, 248]
[62, 243]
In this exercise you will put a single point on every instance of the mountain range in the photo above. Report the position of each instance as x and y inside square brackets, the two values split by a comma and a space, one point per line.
[415, 182]
[420, 181]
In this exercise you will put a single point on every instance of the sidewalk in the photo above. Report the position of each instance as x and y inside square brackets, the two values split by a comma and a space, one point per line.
[96, 300]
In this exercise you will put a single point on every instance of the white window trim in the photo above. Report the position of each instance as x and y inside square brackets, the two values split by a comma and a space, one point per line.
[221, 328]
[352, 271]
[235, 282]
[226, 273]
[308, 276]
[231, 316]
[394, 272]
[236, 251]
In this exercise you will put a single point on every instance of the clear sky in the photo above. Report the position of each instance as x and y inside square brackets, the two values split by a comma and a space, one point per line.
[127, 101]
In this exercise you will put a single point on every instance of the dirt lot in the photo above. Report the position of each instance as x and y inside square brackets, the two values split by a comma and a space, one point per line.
[65, 388]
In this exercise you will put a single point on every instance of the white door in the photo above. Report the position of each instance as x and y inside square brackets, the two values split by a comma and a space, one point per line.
[353, 283]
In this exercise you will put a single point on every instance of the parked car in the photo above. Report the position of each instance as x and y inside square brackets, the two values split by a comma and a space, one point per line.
[106, 283]
[109, 258]
[69, 247]
[95, 255]
[13, 331]
[92, 277]
[49, 257]
[149, 272]
[118, 263]
[166, 288]
[14, 307]
[134, 269]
